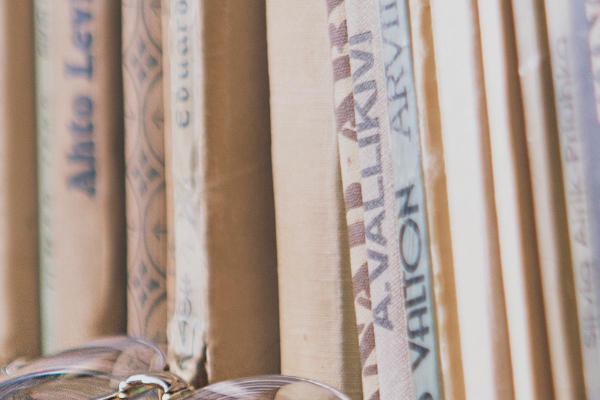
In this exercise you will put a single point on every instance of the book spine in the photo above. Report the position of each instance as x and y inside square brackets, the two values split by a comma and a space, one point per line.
[19, 308]
[223, 227]
[473, 225]
[410, 196]
[144, 170]
[81, 180]
[514, 208]
[571, 129]
[377, 181]
[548, 200]
[436, 195]
[350, 174]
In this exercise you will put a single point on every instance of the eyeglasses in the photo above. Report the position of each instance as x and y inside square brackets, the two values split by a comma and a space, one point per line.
[127, 368]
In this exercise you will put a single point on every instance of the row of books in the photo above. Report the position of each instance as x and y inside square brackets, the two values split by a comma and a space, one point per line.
[395, 197]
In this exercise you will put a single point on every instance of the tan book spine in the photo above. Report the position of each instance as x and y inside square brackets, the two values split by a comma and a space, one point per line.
[473, 226]
[382, 235]
[548, 200]
[81, 171]
[224, 310]
[19, 308]
[145, 170]
[514, 205]
[318, 327]
[437, 204]
[345, 123]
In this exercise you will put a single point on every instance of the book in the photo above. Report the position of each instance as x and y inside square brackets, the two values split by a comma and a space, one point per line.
[145, 170]
[382, 234]
[514, 204]
[317, 320]
[19, 305]
[80, 156]
[565, 57]
[478, 276]
[222, 276]
[436, 195]
[548, 199]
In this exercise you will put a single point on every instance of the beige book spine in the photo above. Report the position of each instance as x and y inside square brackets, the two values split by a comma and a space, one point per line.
[478, 276]
[19, 308]
[144, 170]
[224, 306]
[436, 194]
[318, 327]
[514, 205]
[548, 200]
[81, 199]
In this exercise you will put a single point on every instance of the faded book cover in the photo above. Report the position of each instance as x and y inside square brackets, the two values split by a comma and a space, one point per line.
[571, 108]
[514, 204]
[145, 170]
[473, 225]
[548, 199]
[436, 193]
[82, 229]
[223, 320]
[19, 308]
[318, 327]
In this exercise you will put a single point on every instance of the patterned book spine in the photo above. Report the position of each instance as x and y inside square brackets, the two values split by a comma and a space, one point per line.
[410, 196]
[473, 226]
[81, 197]
[377, 183]
[223, 233]
[350, 171]
[548, 198]
[19, 308]
[436, 194]
[145, 170]
[563, 51]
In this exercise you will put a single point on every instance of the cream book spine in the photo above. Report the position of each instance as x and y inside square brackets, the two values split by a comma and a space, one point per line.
[144, 170]
[514, 204]
[19, 308]
[473, 226]
[548, 199]
[223, 298]
[317, 320]
[82, 229]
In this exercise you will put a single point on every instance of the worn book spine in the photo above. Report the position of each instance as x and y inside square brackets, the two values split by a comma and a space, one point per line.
[514, 204]
[316, 302]
[144, 170]
[571, 129]
[473, 225]
[224, 300]
[436, 194]
[19, 308]
[350, 173]
[81, 171]
[409, 196]
[384, 262]
[548, 199]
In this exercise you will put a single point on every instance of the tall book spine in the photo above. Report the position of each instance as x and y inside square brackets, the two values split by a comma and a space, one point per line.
[377, 180]
[548, 199]
[19, 308]
[317, 319]
[473, 225]
[409, 196]
[514, 204]
[564, 52]
[350, 173]
[223, 231]
[81, 171]
[436, 195]
[144, 170]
